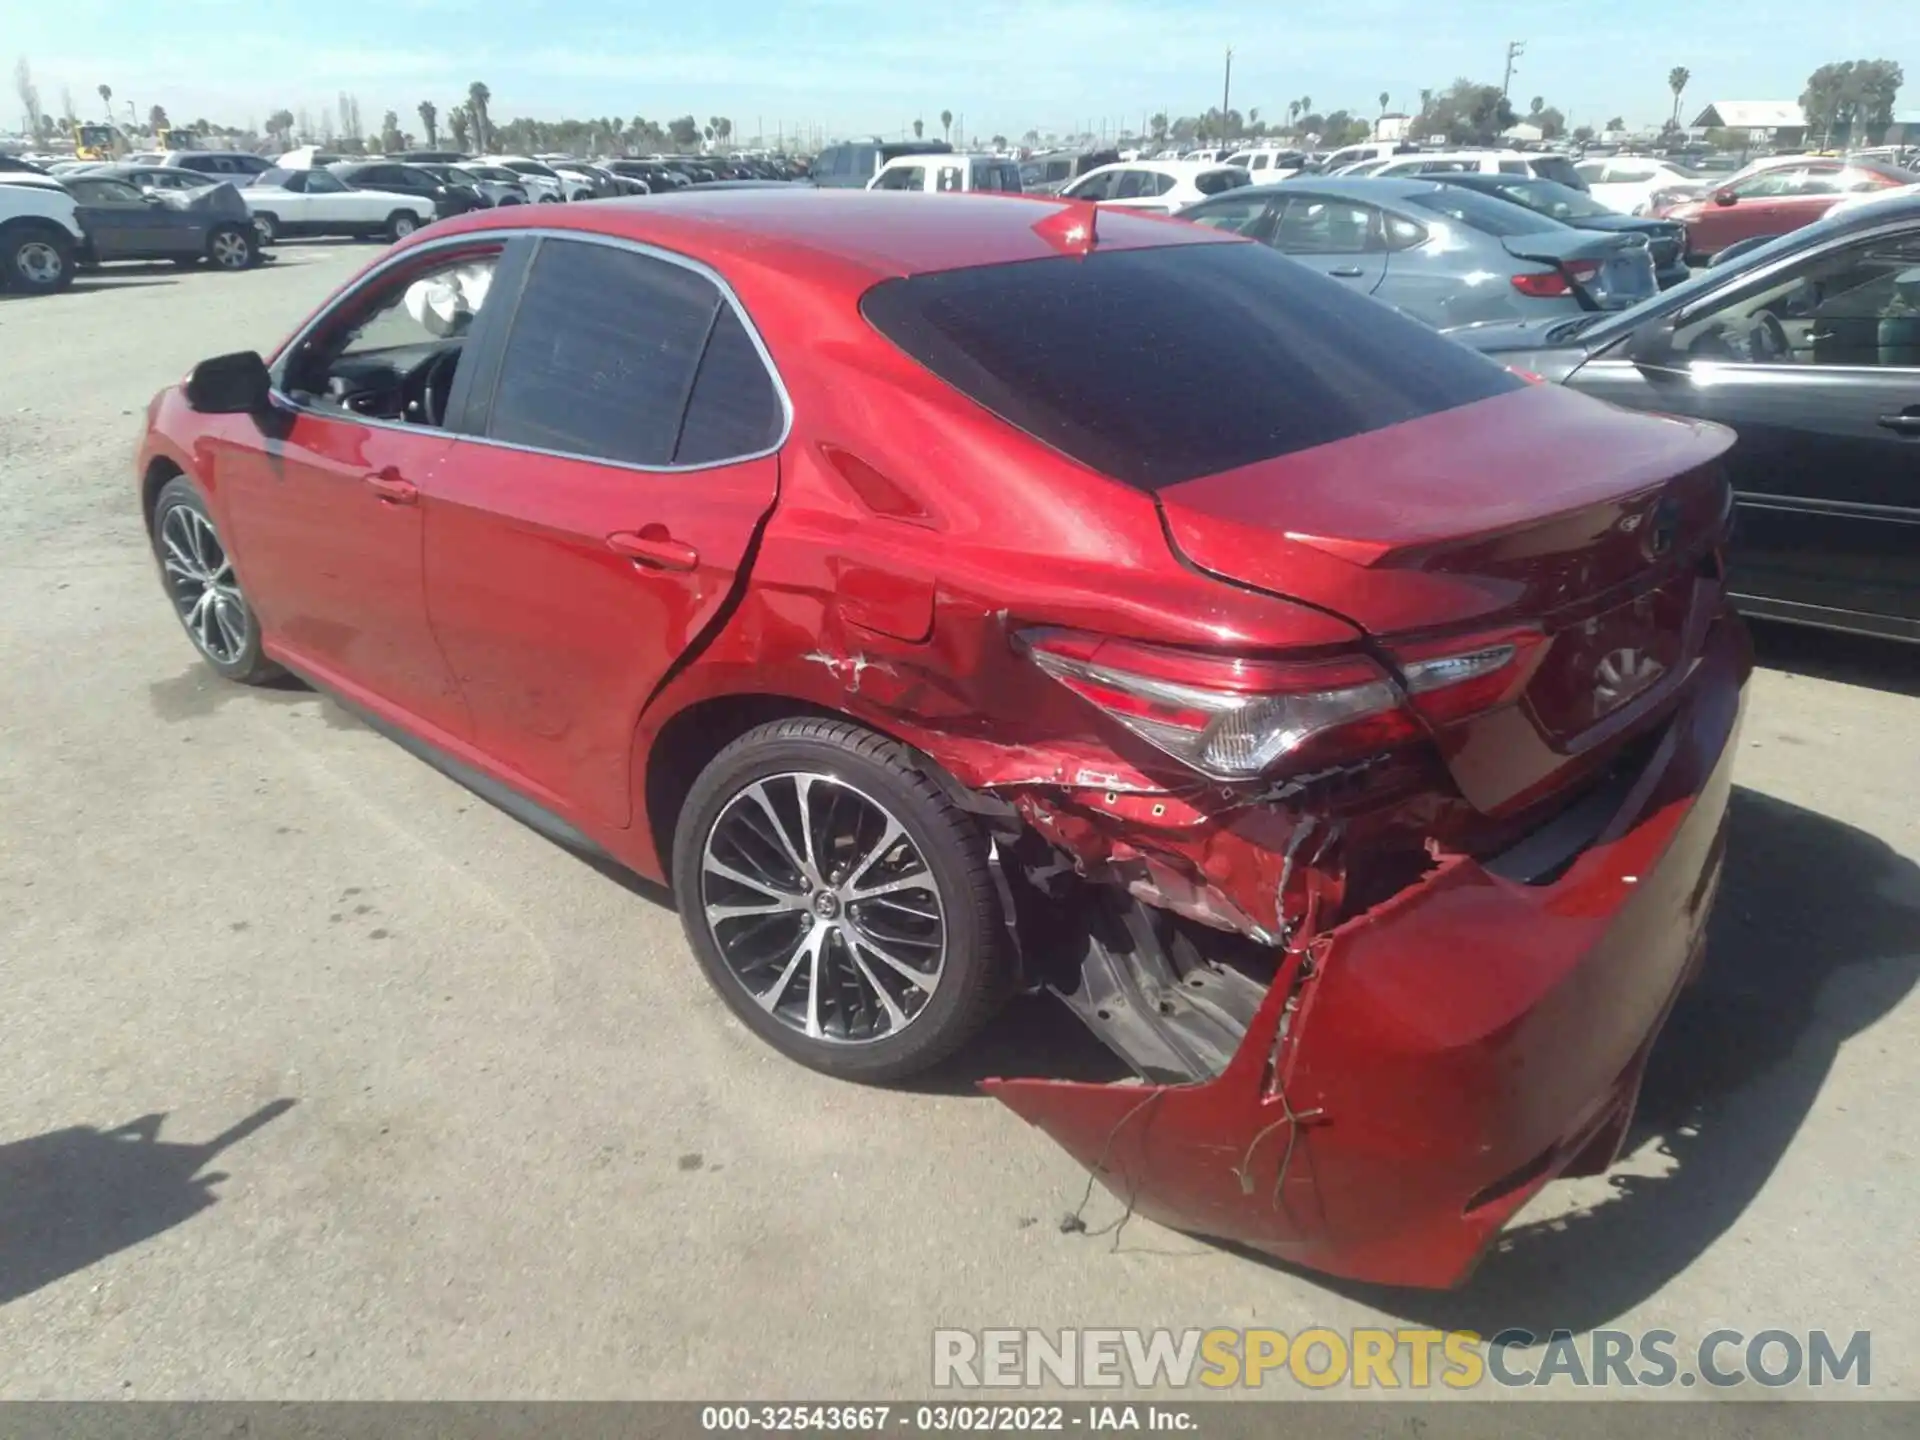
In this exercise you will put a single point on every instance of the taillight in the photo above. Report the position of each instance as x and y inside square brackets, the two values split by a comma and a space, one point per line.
[1233, 718]
[1558, 282]
[1451, 679]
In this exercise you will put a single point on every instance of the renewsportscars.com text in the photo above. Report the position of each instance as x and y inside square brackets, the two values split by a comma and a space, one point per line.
[1366, 1359]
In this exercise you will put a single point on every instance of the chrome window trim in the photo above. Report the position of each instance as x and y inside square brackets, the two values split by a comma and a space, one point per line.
[471, 238]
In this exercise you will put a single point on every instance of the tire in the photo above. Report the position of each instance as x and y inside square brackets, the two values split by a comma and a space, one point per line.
[401, 224]
[508, 201]
[267, 226]
[231, 247]
[224, 629]
[549, 199]
[858, 783]
[37, 259]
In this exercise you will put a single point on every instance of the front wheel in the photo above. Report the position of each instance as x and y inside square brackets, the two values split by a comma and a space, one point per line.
[839, 901]
[38, 259]
[230, 247]
[401, 224]
[200, 580]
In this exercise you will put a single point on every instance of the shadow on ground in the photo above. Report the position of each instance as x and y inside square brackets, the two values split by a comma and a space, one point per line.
[1816, 936]
[72, 1197]
[1844, 659]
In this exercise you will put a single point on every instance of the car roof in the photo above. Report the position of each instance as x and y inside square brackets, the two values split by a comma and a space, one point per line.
[864, 235]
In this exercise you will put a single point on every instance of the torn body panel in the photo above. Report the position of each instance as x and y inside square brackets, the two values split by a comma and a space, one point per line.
[1445, 1053]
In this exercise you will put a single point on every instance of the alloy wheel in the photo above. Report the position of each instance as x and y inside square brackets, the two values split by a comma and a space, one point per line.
[403, 226]
[201, 581]
[230, 250]
[38, 262]
[823, 908]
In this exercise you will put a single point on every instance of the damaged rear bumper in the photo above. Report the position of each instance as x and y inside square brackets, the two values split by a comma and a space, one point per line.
[1413, 1080]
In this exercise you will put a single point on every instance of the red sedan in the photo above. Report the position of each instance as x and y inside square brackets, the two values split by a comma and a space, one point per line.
[948, 598]
[1777, 199]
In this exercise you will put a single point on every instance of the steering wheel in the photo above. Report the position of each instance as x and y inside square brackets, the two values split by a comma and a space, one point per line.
[1770, 340]
[436, 387]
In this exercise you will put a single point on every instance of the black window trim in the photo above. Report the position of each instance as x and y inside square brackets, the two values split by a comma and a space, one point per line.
[473, 414]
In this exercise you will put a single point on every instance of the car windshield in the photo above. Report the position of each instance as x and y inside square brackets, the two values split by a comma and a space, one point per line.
[531, 167]
[1486, 213]
[272, 177]
[1159, 365]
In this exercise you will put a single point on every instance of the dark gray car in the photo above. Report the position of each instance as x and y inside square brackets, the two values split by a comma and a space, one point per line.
[1440, 253]
[122, 223]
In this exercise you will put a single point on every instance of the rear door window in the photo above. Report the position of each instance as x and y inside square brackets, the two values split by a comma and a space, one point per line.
[1558, 167]
[1155, 366]
[1311, 225]
[1218, 182]
[734, 410]
[602, 354]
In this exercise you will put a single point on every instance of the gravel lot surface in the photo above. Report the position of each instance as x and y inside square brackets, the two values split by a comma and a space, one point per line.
[323, 1078]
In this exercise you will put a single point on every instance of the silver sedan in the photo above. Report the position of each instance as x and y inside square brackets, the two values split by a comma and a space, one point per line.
[1443, 254]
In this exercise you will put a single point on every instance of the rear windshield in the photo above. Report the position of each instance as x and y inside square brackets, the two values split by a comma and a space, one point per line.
[1157, 366]
[1484, 212]
[1558, 168]
[1218, 182]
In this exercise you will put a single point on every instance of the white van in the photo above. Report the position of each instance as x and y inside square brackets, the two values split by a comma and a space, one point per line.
[949, 174]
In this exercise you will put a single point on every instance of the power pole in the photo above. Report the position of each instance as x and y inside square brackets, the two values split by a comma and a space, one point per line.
[1226, 90]
[1515, 49]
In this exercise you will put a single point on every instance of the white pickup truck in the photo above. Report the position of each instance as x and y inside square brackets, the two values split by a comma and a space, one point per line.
[39, 235]
[286, 203]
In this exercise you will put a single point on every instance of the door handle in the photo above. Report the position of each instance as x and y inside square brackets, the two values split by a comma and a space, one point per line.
[1347, 272]
[388, 485]
[1907, 422]
[654, 548]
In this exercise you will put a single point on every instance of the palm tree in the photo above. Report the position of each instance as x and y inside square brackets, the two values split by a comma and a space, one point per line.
[946, 123]
[1384, 97]
[1539, 104]
[1293, 113]
[430, 121]
[919, 128]
[106, 99]
[478, 97]
[1677, 79]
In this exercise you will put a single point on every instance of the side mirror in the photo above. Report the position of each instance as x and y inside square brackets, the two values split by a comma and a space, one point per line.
[235, 384]
[1652, 346]
[1724, 197]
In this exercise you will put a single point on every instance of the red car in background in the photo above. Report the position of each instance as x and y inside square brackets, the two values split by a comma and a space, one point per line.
[1773, 201]
[954, 597]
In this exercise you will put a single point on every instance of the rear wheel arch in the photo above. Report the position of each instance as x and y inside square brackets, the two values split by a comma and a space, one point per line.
[692, 738]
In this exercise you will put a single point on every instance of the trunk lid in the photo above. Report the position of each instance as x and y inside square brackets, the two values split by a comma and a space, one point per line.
[1538, 508]
[1614, 268]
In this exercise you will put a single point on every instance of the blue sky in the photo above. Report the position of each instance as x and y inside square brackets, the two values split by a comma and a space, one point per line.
[855, 66]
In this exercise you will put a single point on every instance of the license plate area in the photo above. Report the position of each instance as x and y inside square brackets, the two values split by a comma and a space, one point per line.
[1599, 666]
